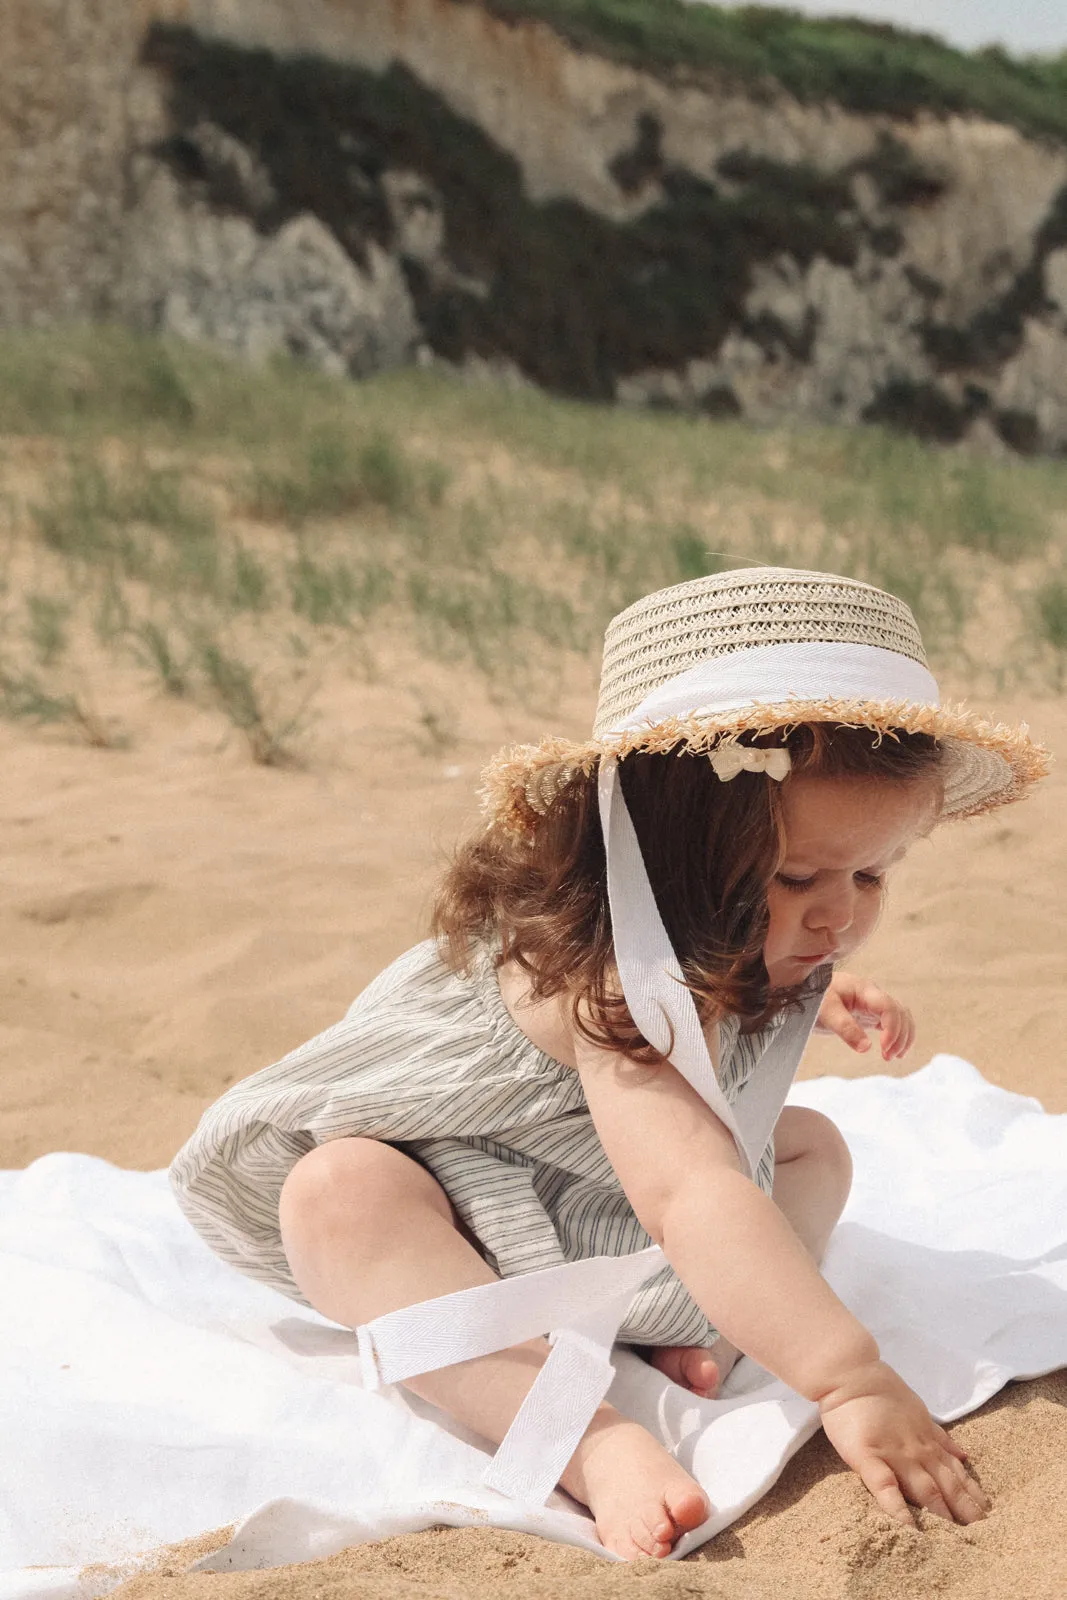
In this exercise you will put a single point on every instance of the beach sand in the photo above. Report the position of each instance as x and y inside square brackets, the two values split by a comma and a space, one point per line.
[176, 917]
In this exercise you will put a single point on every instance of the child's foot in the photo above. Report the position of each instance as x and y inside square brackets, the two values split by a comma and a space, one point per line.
[699, 1370]
[641, 1499]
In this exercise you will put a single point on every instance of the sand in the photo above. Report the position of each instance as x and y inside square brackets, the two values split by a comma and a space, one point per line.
[175, 917]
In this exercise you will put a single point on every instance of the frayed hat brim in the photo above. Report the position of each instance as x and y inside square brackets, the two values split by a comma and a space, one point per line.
[990, 763]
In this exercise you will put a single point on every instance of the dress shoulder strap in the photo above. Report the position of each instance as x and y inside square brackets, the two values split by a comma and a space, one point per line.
[759, 1104]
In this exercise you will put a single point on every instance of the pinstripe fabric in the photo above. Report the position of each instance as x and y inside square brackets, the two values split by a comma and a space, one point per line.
[434, 1063]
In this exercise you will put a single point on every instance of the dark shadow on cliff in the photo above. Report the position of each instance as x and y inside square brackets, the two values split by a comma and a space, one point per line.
[574, 299]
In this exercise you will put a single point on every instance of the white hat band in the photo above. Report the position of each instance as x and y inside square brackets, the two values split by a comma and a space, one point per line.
[776, 673]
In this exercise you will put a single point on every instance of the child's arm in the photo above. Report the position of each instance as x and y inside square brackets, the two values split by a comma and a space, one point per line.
[750, 1274]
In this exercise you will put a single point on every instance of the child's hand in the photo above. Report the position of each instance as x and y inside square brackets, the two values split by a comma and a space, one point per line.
[882, 1430]
[852, 1005]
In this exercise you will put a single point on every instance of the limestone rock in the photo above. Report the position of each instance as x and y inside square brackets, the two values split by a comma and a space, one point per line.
[194, 272]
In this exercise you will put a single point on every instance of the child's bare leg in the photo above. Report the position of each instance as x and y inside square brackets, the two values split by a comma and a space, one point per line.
[366, 1231]
[812, 1178]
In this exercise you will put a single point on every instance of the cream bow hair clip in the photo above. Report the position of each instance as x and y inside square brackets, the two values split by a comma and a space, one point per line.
[735, 758]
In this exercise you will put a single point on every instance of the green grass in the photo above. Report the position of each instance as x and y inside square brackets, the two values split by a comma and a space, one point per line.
[280, 522]
[311, 438]
[867, 67]
[46, 625]
[330, 473]
[154, 647]
[330, 593]
[90, 379]
[140, 523]
[1050, 615]
[92, 382]
[233, 685]
[250, 581]
[24, 698]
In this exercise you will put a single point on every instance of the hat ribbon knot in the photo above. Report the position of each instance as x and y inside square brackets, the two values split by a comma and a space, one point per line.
[735, 758]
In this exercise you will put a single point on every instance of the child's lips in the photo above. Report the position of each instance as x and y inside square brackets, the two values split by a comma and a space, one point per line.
[819, 957]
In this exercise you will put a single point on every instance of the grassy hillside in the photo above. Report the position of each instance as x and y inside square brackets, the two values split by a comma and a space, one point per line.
[233, 538]
[861, 65]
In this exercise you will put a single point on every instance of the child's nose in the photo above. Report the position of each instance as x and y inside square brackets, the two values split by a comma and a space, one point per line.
[833, 911]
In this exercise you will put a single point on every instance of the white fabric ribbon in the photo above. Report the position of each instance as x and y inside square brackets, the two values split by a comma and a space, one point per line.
[662, 1006]
[651, 978]
[581, 1305]
[584, 1302]
[774, 674]
[734, 758]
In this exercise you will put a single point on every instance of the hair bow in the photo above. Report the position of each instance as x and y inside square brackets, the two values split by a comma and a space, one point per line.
[734, 758]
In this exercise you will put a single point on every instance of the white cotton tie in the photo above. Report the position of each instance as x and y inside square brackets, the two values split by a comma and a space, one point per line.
[580, 1306]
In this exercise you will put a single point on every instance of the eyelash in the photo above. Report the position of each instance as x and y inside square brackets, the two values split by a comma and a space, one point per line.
[866, 880]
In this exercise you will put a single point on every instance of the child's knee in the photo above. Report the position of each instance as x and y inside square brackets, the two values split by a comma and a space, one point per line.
[832, 1153]
[349, 1186]
[803, 1132]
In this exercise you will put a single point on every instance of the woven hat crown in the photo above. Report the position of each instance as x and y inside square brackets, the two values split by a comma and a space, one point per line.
[672, 630]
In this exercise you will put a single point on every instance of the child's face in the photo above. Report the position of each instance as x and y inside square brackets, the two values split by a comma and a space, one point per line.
[841, 837]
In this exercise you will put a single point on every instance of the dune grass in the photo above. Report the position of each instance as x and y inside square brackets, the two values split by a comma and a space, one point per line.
[215, 526]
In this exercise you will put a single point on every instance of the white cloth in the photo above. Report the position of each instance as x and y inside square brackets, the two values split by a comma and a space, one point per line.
[150, 1392]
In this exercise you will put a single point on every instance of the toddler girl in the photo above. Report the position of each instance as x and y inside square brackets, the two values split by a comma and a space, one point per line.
[593, 1052]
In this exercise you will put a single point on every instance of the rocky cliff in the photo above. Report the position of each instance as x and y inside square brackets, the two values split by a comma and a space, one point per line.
[367, 182]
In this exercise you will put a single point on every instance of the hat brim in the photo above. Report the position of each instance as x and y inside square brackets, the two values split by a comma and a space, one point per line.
[987, 764]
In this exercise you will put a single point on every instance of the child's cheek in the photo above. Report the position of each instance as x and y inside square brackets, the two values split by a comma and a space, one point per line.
[782, 925]
[866, 920]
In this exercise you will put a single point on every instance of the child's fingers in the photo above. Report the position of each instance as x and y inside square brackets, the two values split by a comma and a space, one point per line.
[853, 1034]
[836, 1016]
[927, 1493]
[893, 1037]
[872, 1007]
[947, 1442]
[942, 1486]
[898, 1033]
[880, 1479]
[869, 1007]
[966, 1499]
[890, 1034]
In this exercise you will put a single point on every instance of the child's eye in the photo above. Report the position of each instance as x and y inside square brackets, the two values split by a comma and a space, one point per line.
[796, 884]
[866, 880]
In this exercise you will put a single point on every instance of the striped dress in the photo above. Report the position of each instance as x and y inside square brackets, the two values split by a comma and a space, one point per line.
[433, 1063]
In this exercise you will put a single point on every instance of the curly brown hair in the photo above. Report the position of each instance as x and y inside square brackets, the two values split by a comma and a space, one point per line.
[710, 850]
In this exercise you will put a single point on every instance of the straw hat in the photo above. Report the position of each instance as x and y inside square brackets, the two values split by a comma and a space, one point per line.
[757, 651]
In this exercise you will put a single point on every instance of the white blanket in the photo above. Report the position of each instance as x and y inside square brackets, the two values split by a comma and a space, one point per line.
[150, 1393]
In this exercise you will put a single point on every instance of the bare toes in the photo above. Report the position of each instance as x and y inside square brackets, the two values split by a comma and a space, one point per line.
[690, 1366]
[688, 1508]
[649, 1540]
[668, 1360]
[626, 1548]
[660, 1526]
[701, 1373]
